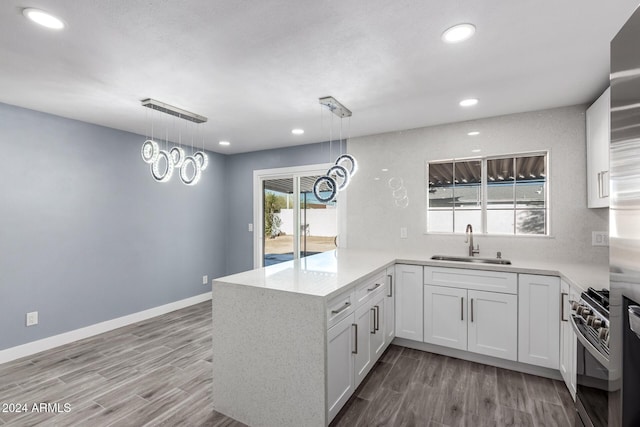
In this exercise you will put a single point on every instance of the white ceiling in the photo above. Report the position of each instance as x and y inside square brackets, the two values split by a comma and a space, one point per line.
[257, 68]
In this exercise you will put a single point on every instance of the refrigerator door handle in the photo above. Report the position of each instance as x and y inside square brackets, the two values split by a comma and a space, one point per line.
[634, 319]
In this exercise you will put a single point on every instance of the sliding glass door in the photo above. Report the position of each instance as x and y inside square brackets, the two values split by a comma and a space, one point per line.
[293, 223]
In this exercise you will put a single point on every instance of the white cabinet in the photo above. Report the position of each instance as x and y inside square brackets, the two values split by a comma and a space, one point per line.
[539, 320]
[477, 321]
[598, 137]
[445, 318]
[492, 324]
[408, 290]
[340, 364]
[378, 336]
[390, 307]
[357, 336]
[362, 353]
[568, 346]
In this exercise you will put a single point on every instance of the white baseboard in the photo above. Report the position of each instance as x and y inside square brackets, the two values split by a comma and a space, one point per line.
[48, 343]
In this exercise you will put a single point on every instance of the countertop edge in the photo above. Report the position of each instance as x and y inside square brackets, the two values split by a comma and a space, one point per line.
[577, 275]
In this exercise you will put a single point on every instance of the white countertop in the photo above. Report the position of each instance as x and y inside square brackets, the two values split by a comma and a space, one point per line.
[322, 275]
[330, 273]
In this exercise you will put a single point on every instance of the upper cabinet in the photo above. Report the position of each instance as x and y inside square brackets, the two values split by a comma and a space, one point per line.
[598, 134]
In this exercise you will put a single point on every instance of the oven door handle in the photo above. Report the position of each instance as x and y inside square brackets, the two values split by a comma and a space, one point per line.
[590, 348]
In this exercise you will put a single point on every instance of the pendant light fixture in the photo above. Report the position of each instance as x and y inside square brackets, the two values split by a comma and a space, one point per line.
[164, 161]
[345, 167]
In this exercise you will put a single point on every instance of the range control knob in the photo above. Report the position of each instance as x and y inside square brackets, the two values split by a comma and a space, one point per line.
[597, 324]
[575, 305]
[603, 334]
[590, 320]
[585, 312]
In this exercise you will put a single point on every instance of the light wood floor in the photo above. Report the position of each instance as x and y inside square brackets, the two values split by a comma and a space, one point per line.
[158, 372]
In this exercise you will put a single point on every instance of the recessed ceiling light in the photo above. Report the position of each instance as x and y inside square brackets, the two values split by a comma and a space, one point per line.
[224, 143]
[458, 33]
[43, 18]
[476, 150]
[297, 131]
[385, 170]
[473, 133]
[468, 102]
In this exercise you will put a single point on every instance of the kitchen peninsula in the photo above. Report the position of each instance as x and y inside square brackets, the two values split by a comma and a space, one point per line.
[272, 329]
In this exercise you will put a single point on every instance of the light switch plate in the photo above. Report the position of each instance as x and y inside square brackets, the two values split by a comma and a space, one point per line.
[599, 238]
[250, 227]
[403, 232]
[205, 280]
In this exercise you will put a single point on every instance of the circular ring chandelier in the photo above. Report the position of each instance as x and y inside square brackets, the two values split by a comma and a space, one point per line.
[329, 185]
[162, 175]
[340, 175]
[194, 177]
[150, 151]
[177, 155]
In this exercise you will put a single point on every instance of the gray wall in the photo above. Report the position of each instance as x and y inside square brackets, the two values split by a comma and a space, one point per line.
[374, 221]
[240, 169]
[86, 235]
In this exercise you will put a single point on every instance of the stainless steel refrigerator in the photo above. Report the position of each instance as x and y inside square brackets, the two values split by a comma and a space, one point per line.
[624, 227]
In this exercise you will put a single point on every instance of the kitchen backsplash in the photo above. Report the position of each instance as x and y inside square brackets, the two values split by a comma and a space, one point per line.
[375, 218]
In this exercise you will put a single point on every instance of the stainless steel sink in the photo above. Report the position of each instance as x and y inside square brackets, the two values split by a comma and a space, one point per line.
[471, 259]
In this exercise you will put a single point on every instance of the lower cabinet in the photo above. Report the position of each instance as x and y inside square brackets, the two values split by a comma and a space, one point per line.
[568, 345]
[390, 306]
[379, 335]
[408, 290]
[362, 352]
[341, 347]
[477, 321]
[445, 316]
[539, 320]
[355, 343]
[493, 324]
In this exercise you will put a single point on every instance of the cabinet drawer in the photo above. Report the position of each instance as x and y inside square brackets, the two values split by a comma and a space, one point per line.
[340, 307]
[369, 287]
[481, 280]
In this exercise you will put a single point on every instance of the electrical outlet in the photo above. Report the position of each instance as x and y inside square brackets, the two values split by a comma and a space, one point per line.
[599, 238]
[205, 280]
[403, 232]
[32, 318]
[250, 227]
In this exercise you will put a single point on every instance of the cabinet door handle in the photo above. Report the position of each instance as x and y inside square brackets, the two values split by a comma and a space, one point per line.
[471, 310]
[355, 325]
[341, 309]
[376, 324]
[374, 288]
[599, 185]
[390, 276]
[373, 323]
[562, 295]
[461, 308]
[605, 188]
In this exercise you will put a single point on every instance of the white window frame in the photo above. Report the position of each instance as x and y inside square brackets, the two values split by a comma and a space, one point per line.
[261, 175]
[484, 159]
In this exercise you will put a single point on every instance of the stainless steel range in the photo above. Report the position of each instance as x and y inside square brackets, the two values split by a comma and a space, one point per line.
[590, 320]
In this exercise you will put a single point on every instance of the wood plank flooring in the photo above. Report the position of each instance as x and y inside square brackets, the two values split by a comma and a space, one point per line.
[158, 372]
[413, 388]
[153, 373]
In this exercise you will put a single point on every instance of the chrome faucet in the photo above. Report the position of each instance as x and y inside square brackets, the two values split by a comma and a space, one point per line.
[469, 239]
